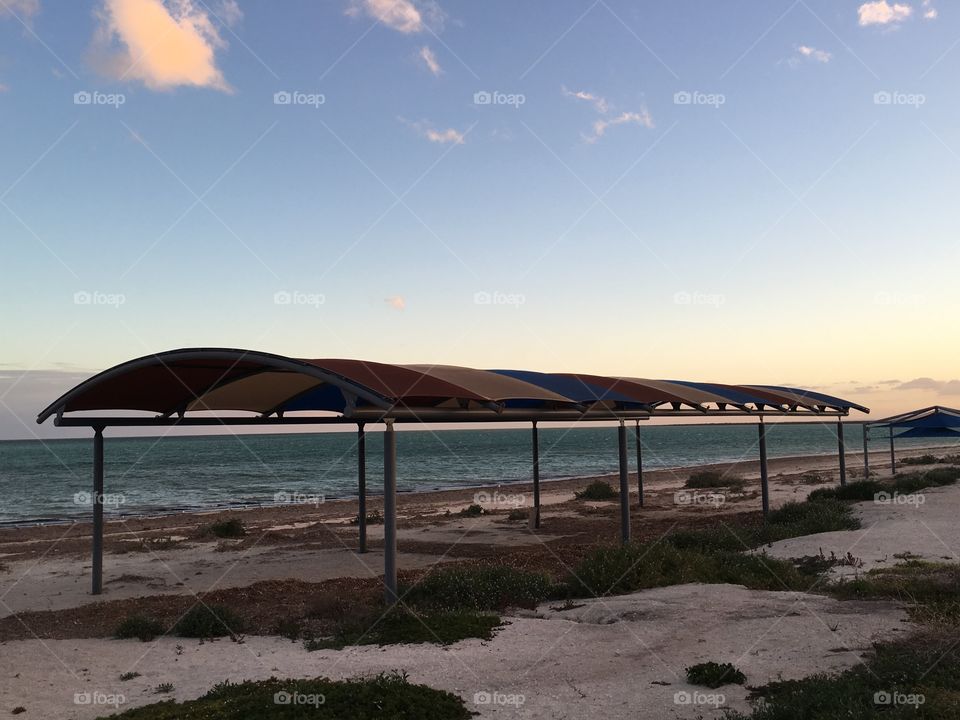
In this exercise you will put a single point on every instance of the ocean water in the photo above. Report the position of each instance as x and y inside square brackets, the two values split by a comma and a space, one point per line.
[51, 480]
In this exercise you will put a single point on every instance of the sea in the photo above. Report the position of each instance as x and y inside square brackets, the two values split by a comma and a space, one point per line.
[50, 481]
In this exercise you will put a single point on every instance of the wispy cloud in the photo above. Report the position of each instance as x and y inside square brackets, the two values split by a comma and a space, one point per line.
[929, 12]
[882, 12]
[812, 53]
[626, 118]
[397, 302]
[405, 16]
[163, 44]
[944, 387]
[430, 60]
[229, 11]
[428, 130]
[24, 9]
[599, 103]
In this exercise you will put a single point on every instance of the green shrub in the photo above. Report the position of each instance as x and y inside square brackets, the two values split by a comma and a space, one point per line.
[208, 621]
[714, 675]
[859, 491]
[713, 479]
[374, 517]
[400, 625]
[473, 510]
[230, 528]
[518, 514]
[478, 588]
[807, 518]
[943, 476]
[385, 696]
[919, 460]
[141, 627]
[597, 490]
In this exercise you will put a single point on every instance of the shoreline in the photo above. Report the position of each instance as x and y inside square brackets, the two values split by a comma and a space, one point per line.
[248, 507]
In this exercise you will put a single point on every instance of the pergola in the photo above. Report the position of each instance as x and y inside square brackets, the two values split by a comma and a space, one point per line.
[930, 422]
[209, 386]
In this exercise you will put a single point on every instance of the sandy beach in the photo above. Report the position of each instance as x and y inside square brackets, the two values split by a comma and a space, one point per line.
[56, 637]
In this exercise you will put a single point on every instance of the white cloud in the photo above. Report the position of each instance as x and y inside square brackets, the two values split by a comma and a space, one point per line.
[944, 387]
[162, 43]
[24, 9]
[445, 136]
[230, 13]
[430, 60]
[642, 118]
[929, 12]
[821, 56]
[397, 302]
[601, 105]
[882, 12]
[405, 16]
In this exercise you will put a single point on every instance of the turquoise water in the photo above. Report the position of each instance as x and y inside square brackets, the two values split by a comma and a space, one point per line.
[39, 480]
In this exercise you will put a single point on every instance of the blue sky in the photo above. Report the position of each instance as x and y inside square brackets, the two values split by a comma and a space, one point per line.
[743, 192]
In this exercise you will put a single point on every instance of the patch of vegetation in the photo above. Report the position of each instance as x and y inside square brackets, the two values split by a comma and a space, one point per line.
[163, 688]
[228, 528]
[807, 518]
[473, 510]
[914, 678]
[478, 589]
[920, 460]
[859, 491]
[374, 517]
[914, 582]
[141, 627]
[816, 565]
[384, 696]
[713, 479]
[400, 625]
[597, 490]
[288, 627]
[208, 621]
[714, 675]
[129, 676]
[813, 478]
[639, 566]
[518, 514]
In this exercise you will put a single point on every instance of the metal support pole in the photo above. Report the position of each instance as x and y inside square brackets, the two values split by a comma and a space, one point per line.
[362, 486]
[536, 477]
[842, 451]
[97, 511]
[764, 484]
[866, 452]
[639, 464]
[624, 485]
[390, 513]
[893, 457]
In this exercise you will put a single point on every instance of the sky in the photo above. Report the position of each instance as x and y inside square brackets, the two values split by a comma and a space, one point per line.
[755, 192]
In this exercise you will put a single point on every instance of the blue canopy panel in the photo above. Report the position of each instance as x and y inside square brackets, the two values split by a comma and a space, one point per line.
[735, 397]
[577, 390]
[922, 432]
[936, 419]
[818, 398]
[324, 397]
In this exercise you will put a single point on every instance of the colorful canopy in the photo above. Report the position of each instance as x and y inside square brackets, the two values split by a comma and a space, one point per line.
[930, 422]
[178, 382]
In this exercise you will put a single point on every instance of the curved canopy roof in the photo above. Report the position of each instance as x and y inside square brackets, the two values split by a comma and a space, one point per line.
[935, 421]
[172, 384]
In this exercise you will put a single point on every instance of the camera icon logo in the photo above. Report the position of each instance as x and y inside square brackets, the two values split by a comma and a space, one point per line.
[282, 98]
